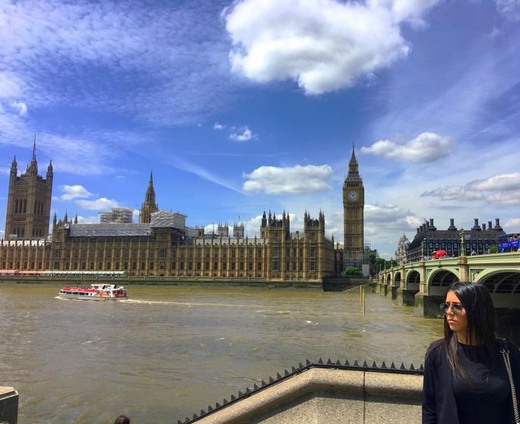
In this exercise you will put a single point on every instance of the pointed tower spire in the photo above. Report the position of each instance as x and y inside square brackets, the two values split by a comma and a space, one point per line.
[32, 168]
[150, 205]
[34, 148]
[353, 167]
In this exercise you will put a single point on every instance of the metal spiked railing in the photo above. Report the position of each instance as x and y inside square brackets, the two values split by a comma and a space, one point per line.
[355, 366]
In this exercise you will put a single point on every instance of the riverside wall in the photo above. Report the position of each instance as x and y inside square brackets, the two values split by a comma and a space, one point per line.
[325, 394]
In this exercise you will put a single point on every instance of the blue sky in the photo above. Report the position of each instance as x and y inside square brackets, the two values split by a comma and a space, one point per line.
[244, 107]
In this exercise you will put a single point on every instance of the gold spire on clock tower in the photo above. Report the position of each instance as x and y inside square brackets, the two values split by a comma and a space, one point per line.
[353, 215]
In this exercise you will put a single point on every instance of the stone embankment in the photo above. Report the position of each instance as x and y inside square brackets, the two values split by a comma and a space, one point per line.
[325, 393]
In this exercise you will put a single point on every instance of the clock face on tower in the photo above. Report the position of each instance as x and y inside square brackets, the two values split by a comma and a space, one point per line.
[352, 195]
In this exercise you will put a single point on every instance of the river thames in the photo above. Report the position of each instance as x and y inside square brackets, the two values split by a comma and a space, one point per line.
[170, 351]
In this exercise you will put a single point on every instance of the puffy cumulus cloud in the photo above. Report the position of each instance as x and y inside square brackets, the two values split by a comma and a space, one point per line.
[244, 134]
[323, 45]
[218, 126]
[101, 204]
[499, 189]
[297, 179]
[80, 195]
[71, 192]
[426, 147]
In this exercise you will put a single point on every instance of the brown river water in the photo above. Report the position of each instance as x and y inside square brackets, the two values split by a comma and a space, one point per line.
[170, 351]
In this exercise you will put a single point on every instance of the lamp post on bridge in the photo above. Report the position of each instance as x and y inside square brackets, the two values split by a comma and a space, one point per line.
[462, 250]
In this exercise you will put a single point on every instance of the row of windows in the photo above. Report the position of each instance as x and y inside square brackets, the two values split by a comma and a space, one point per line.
[183, 254]
[275, 266]
[20, 207]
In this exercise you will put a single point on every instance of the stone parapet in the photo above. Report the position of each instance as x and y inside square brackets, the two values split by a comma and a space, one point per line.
[326, 394]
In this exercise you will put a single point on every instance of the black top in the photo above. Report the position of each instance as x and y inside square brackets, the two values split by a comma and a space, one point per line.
[485, 398]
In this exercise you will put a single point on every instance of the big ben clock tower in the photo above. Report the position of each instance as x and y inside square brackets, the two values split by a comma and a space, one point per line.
[353, 216]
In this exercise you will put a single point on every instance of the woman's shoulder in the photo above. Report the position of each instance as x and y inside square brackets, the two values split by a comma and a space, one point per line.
[435, 348]
[437, 344]
[507, 344]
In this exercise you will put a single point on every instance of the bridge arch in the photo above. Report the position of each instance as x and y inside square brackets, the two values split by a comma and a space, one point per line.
[439, 280]
[397, 279]
[412, 281]
[500, 281]
[503, 284]
[396, 284]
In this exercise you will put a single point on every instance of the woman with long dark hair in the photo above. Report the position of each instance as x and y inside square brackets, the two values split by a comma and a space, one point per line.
[465, 376]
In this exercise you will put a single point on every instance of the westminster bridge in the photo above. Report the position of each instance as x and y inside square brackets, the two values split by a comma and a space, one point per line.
[423, 284]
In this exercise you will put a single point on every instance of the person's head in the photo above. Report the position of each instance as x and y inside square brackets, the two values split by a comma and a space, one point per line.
[470, 315]
[122, 419]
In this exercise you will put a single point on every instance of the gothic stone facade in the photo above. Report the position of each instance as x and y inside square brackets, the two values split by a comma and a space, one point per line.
[160, 249]
[28, 202]
[353, 216]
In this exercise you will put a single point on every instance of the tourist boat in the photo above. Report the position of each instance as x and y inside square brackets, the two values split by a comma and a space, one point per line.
[98, 291]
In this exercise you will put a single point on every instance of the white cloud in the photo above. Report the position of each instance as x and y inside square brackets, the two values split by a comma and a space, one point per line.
[323, 45]
[101, 204]
[20, 107]
[245, 135]
[512, 225]
[498, 189]
[71, 192]
[201, 172]
[510, 9]
[426, 147]
[79, 195]
[411, 11]
[297, 179]
[11, 85]
[88, 219]
[218, 126]
[503, 182]
[49, 48]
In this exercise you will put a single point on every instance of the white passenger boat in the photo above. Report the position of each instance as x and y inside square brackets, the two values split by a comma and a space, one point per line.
[98, 291]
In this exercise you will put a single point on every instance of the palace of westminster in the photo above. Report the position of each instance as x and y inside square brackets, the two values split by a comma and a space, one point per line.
[161, 245]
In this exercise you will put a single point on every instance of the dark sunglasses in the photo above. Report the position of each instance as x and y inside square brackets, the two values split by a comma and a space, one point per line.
[457, 308]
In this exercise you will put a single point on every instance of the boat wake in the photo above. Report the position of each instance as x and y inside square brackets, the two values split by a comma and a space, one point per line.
[177, 303]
